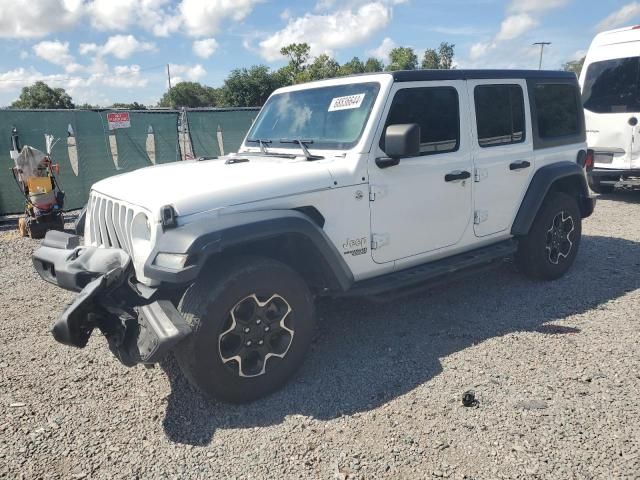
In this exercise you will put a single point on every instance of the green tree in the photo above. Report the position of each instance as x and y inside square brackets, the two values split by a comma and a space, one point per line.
[87, 106]
[430, 60]
[249, 87]
[41, 95]
[189, 94]
[442, 59]
[129, 106]
[446, 52]
[402, 58]
[298, 55]
[352, 67]
[574, 66]
[323, 66]
[373, 65]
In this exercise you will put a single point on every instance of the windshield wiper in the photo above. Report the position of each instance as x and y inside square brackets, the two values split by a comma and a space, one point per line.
[303, 147]
[260, 142]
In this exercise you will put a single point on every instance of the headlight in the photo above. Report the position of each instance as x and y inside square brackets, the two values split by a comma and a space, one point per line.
[141, 236]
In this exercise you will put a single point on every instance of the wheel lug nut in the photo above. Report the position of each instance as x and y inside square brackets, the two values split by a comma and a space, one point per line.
[260, 342]
[266, 329]
[258, 322]
[247, 330]
[248, 344]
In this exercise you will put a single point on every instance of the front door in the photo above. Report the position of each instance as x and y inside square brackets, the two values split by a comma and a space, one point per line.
[424, 203]
[502, 151]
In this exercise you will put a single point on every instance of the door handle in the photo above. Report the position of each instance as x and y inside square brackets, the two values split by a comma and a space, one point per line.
[520, 165]
[457, 175]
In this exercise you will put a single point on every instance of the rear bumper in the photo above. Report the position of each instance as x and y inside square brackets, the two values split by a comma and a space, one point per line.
[140, 326]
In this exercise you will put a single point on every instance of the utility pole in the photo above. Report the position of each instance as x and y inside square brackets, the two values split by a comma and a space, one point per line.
[169, 77]
[542, 45]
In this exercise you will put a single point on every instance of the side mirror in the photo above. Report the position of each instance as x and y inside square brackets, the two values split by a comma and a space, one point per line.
[400, 141]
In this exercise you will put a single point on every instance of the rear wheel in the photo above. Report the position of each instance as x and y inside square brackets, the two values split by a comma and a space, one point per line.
[252, 323]
[551, 246]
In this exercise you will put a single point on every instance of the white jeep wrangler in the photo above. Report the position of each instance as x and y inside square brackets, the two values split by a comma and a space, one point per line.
[357, 186]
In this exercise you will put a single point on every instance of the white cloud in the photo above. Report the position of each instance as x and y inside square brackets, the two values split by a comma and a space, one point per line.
[118, 46]
[205, 48]
[535, 6]
[620, 17]
[383, 51]
[340, 29]
[156, 16]
[203, 18]
[87, 88]
[88, 48]
[515, 25]
[30, 19]
[123, 46]
[53, 52]
[57, 53]
[191, 73]
[286, 14]
[125, 76]
[523, 16]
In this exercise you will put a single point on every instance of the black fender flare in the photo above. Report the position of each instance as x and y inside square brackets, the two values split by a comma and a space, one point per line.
[204, 238]
[541, 183]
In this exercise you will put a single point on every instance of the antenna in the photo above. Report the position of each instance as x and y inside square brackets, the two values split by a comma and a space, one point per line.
[542, 45]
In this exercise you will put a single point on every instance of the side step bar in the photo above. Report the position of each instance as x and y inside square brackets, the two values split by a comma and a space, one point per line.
[434, 272]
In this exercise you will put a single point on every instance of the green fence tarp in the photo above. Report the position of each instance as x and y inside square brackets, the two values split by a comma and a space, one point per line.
[88, 151]
[204, 126]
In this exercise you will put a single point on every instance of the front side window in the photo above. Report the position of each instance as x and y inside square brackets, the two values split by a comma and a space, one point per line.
[557, 110]
[499, 114]
[436, 110]
[327, 117]
[611, 86]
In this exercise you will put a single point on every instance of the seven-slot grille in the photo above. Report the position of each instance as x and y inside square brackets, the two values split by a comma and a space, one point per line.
[109, 222]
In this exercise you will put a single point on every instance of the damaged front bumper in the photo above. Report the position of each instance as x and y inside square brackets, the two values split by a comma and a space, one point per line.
[139, 326]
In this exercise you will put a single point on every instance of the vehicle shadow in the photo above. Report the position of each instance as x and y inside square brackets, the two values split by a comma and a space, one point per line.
[623, 195]
[367, 354]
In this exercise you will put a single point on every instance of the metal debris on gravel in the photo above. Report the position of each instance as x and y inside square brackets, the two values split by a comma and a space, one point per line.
[555, 366]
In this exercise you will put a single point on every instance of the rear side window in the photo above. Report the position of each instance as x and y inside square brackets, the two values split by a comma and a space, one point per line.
[436, 110]
[557, 110]
[611, 86]
[499, 114]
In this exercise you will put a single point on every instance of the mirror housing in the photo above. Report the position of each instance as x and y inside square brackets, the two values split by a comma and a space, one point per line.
[402, 140]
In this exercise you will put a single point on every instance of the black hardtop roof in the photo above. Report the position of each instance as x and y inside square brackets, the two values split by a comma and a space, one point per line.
[426, 75]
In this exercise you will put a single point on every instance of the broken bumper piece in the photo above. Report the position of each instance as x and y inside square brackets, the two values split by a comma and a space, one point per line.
[139, 327]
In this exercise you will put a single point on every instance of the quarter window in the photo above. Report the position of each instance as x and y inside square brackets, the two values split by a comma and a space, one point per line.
[499, 114]
[557, 110]
[436, 110]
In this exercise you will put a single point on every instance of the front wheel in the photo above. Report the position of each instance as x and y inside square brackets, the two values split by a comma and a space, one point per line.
[551, 246]
[252, 321]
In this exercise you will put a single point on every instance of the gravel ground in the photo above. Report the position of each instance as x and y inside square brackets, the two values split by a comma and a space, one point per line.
[555, 367]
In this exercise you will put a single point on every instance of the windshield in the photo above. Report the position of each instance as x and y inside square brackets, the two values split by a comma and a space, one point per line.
[611, 86]
[331, 118]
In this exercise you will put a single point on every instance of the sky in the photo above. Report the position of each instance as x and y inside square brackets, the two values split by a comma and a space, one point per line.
[106, 51]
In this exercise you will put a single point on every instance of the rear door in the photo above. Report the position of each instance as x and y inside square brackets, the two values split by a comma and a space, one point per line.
[611, 97]
[502, 151]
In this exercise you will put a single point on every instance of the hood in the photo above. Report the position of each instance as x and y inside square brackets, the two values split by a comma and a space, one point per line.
[196, 186]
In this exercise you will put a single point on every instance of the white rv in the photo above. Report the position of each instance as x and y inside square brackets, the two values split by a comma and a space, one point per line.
[610, 82]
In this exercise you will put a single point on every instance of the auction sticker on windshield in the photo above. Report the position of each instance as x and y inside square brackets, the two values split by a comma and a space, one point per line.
[346, 103]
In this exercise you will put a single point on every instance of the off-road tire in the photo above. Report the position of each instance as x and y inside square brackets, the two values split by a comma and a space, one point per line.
[207, 306]
[537, 252]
